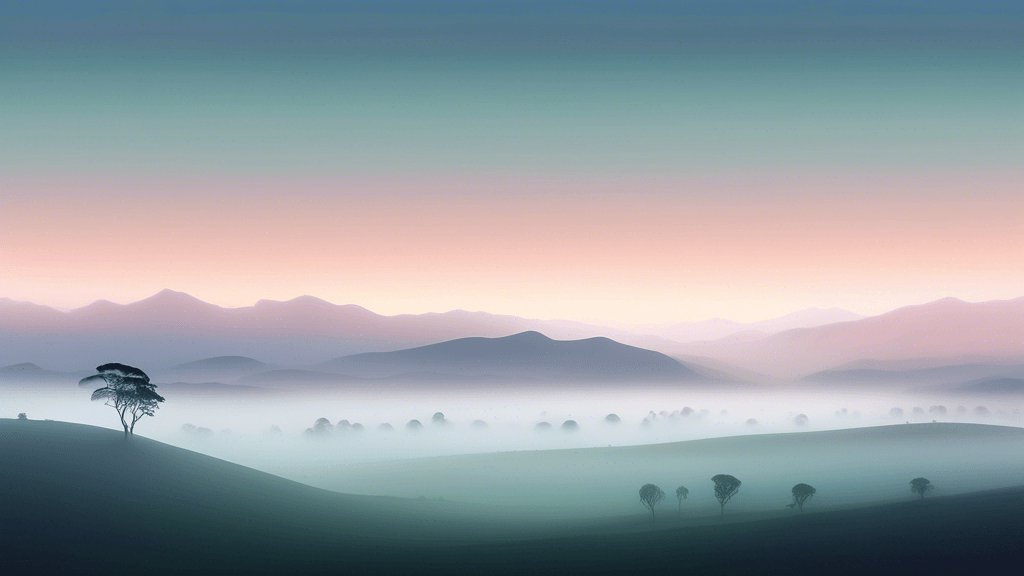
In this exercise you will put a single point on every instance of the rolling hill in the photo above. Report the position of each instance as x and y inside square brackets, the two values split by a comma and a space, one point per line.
[81, 500]
[528, 355]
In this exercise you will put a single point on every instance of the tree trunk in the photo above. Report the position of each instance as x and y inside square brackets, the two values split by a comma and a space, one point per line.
[680, 506]
[723, 510]
[125, 431]
[801, 506]
[652, 514]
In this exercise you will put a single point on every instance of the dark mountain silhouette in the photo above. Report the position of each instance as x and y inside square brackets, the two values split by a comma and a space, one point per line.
[530, 355]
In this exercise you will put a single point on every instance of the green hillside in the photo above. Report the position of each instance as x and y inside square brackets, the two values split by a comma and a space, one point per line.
[76, 499]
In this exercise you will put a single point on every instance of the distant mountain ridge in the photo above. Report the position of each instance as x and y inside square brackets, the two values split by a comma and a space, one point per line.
[949, 328]
[170, 328]
[717, 328]
[530, 355]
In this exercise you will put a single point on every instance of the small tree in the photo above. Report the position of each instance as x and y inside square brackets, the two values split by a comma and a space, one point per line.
[612, 419]
[649, 496]
[322, 426]
[22, 416]
[681, 494]
[128, 391]
[920, 486]
[802, 493]
[726, 487]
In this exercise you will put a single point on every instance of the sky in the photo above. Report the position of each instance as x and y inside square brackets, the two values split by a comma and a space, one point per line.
[616, 162]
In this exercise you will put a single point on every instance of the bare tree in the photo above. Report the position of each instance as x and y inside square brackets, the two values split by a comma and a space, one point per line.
[681, 493]
[649, 496]
[920, 486]
[128, 391]
[726, 487]
[802, 493]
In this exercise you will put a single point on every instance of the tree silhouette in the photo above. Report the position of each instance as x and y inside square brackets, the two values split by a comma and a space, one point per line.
[726, 487]
[649, 496]
[570, 426]
[802, 493]
[612, 419]
[322, 426]
[128, 391]
[22, 416]
[681, 494]
[920, 486]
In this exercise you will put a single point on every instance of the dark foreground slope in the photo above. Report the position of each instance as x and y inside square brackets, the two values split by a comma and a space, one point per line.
[75, 499]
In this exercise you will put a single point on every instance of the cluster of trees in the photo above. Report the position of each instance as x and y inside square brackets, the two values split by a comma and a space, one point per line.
[938, 410]
[567, 426]
[323, 427]
[727, 486]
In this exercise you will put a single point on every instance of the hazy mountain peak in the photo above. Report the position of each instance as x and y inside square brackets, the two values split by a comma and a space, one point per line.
[529, 336]
[168, 296]
[220, 362]
[23, 367]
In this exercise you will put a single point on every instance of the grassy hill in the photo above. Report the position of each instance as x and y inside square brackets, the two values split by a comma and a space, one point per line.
[850, 467]
[76, 499]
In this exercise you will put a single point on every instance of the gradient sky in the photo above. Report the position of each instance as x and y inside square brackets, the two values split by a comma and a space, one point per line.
[605, 161]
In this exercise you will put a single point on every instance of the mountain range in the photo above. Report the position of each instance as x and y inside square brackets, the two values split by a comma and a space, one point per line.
[949, 329]
[170, 329]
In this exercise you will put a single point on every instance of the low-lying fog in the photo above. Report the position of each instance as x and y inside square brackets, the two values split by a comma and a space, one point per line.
[269, 432]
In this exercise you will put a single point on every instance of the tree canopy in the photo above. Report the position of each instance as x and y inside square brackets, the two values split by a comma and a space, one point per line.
[726, 487]
[802, 493]
[921, 486]
[127, 390]
[651, 495]
[681, 493]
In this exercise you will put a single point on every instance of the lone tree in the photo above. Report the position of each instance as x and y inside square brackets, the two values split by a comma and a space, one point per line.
[726, 487]
[802, 493]
[920, 486]
[681, 494]
[128, 391]
[649, 496]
